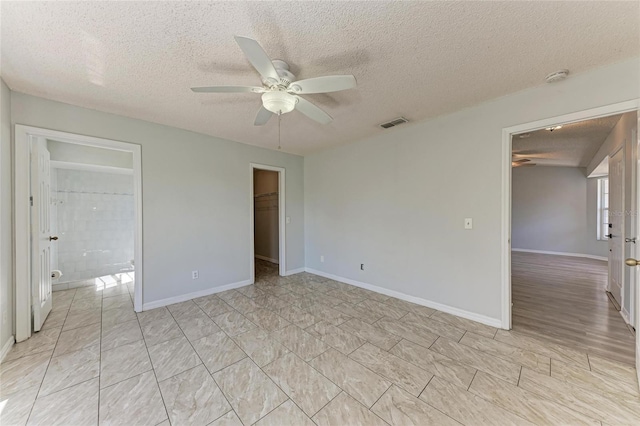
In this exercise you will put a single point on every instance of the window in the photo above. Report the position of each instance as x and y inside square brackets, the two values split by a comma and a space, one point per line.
[603, 208]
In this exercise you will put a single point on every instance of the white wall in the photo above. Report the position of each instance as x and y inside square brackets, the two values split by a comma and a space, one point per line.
[551, 211]
[196, 196]
[397, 202]
[266, 216]
[6, 231]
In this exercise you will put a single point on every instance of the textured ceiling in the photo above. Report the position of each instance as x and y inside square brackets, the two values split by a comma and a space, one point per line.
[573, 145]
[412, 59]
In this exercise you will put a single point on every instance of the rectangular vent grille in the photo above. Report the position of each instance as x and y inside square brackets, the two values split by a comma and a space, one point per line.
[393, 123]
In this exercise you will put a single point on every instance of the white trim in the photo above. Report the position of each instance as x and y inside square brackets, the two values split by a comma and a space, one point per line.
[268, 259]
[562, 253]
[90, 167]
[6, 348]
[493, 322]
[194, 295]
[22, 135]
[294, 271]
[505, 229]
[282, 222]
[625, 315]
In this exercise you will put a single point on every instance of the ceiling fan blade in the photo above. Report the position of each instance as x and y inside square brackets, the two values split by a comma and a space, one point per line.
[523, 165]
[312, 111]
[258, 58]
[228, 89]
[327, 84]
[262, 117]
[523, 160]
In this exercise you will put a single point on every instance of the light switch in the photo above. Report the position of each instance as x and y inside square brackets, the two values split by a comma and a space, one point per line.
[468, 223]
[288, 219]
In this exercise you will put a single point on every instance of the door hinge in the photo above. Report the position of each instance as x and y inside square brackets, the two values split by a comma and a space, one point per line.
[31, 201]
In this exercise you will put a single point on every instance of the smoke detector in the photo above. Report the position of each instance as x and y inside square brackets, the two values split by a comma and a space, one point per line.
[556, 76]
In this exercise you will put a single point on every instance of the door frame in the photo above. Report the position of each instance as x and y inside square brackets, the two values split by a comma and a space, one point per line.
[282, 219]
[505, 231]
[624, 223]
[22, 226]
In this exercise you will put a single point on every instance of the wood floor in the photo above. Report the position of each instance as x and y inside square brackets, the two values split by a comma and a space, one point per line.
[562, 299]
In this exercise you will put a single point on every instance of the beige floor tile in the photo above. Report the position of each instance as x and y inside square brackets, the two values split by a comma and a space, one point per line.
[260, 346]
[287, 414]
[197, 325]
[435, 363]
[398, 407]
[267, 320]
[466, 407]
[335, 337]
[305, 386]
[359, 312]
[151, 315]
[344, 410]
[212, 305]
[346, 296]
[554, 351]
[117, 290]
[517, 355]
[388, 311]
[372, 295]
[328, 314]
[392, 368]
[300, 342]
[160, 330]
[250, 291]
[192, 397]
[361, 383]
[42, 341]
[409, 331]
[120, 334]
[526, 404]
[76, 319]
[229, 419]
[244, 304]
[438, 327]
[122, 301]
[612, 368]
[87, 304]
[465, 324]
[609, 409]
[87, 292]
[135, 401]
[251, 393]
[371, 333]
[77, 405]
[183, 309]
[323, 299]
[217, 351]
[23, 373]
[16, 407]
[594, 380]
[499, 367]
[70, 369]
[172, 357]
[78, 338]
[297, 316]
[233, 323]
[55, 319]
[228, 294]
[410, 307]
[116, 316]
[123, 362]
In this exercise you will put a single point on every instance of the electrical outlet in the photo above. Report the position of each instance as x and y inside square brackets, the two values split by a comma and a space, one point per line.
[195, 275]
[322, 259]
[362, 266]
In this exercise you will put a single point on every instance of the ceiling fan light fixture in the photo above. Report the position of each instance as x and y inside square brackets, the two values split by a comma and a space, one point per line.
[552, 128]
[279, 102]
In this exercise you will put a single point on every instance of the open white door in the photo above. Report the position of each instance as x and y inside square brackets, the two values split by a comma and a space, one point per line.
[616, 221]
[635, 292]
[40, 232]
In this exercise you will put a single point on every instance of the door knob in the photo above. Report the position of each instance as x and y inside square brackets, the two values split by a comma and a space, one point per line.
[53, 238]
[632, 262]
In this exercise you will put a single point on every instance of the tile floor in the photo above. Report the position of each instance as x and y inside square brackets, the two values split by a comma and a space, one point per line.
[298, 350]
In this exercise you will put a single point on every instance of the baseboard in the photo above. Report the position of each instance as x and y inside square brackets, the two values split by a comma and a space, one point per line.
[493, 322]
[268, 259]
[6, 348]
[561, 253]
[184, 297]
[294, 271]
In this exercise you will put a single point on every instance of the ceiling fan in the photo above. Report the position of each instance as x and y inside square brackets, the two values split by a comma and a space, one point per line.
[522, 162]
[280, 90]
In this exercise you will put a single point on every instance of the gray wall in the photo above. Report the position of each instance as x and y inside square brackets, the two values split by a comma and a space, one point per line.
[196, 196]
[397, 202]
[551, 209]
[6, 231]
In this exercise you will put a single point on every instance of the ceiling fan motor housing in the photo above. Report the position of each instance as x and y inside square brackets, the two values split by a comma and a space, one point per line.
[286, 76]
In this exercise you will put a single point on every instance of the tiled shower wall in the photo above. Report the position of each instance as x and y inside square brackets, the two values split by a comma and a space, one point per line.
[95, 223]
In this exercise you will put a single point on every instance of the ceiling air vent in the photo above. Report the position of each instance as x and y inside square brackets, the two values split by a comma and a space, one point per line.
[393, 123]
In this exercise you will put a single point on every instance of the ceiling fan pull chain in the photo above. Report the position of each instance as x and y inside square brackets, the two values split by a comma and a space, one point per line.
[279, 118]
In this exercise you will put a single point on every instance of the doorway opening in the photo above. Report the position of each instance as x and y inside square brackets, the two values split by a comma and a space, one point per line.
[80, 229]
[268, 256]
[568, 224]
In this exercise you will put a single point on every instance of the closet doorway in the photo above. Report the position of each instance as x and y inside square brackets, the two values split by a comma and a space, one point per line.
[267, 222]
